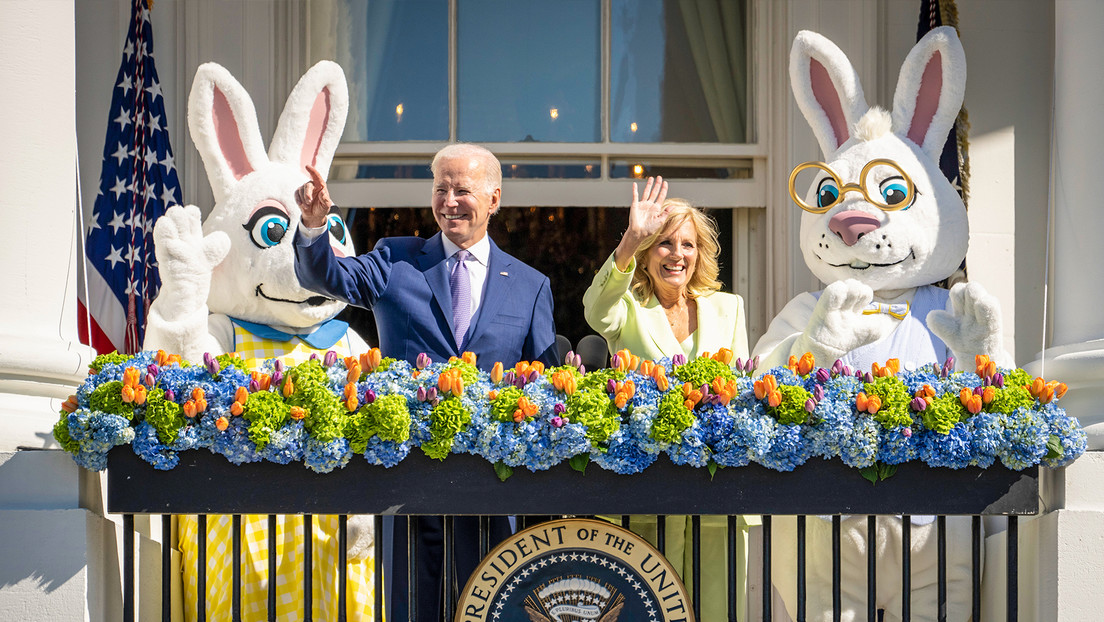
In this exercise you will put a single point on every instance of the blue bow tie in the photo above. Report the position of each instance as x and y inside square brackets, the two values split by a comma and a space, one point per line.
[897, 311]
[324, 337]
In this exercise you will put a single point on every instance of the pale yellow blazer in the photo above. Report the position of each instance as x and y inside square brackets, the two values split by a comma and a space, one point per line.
[613, 312]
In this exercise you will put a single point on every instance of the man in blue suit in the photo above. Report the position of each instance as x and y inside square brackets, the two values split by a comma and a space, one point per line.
[454, 292]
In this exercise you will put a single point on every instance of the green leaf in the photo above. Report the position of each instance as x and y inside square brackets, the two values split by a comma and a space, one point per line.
[712, 466]
[870, 473]
[502, 471]
[579, 462]
[886, 471]
[1054, 448]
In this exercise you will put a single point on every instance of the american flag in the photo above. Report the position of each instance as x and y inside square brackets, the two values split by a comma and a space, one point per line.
[138, 182]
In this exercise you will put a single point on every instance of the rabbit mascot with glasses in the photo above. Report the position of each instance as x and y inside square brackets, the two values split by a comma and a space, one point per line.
[229, 285]
[881, 225]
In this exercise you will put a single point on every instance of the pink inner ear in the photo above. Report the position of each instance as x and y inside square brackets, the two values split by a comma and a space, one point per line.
[927, 99]
[316, 126]
[825, 93]
[228, 136]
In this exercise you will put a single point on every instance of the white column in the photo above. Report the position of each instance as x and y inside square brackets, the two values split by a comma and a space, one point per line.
[41, 361]
[1076, 355]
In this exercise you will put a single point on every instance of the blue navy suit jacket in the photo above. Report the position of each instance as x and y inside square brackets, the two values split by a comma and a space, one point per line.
[405, 282]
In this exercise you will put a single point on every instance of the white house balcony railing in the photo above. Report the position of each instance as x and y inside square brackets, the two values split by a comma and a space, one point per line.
[205, 483]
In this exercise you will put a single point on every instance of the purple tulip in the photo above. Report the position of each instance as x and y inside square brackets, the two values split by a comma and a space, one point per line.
[907, 432]
[278, 365]
[314, 356]
[948, 366]
[435, 401]
[837, 367]
[369, 396]
[998, 380]
[431, 395]
[557, 422]
[810, 405]
[519, 382]
[868, 377]
[754, 363]
[152, 368]
[705, 389]
[254, 386]
[150, 380]
[532, 376]
[508, 377]
[331, 358]
[818, 393]
[611, 386]
[420, 394]
[918, 404]
[169, 395]
[422, 361]
[569, 359]
[987, 381]
[277, 376]
[739, 364]
[823, 375]
[979, 391]
[615, 361]
[678, 359]
[582, 369]
[559, 408]
[212, 364]
[846, 371]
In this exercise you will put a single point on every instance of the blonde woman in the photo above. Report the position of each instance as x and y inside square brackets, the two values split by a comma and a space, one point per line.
[658, 295]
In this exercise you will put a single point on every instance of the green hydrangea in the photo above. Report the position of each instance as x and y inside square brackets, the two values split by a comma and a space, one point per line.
[943, 413]
[791, 410]
[61, 435]
[1017, 378]
[673, 419]
[1010, 398]
[468, 373]
[226, 359]
[702, 371]
[387, 417]
[108, 398]
[98, 363]
[895, 397]
[385, 364]
[503, 406]
[593, 408]
[447, 419]
[266, 412]
[307, 373]
[599, 379]
[167, 417]
[325, 413]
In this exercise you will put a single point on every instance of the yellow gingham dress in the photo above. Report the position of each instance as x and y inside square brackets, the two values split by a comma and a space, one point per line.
[360, 583]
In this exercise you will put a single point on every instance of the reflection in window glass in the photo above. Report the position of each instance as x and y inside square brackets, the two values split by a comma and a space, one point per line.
[529, 70]
[395, 56]
[678, 71]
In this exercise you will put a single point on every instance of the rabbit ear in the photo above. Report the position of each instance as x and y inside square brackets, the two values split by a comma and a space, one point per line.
[930, 89]
[827, 89]
[224, 128]
[313, 119]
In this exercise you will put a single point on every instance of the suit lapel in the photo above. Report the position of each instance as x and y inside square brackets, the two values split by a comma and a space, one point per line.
[708, 323]
[659, 329]
[495, 290]
[431, 261]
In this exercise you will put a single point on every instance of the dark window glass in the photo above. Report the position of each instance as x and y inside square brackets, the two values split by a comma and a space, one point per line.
[395, 55]
[678, 71]
[528, 70]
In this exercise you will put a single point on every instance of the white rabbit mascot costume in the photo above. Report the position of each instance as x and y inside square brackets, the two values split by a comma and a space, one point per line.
[881, 225]
[229, 285]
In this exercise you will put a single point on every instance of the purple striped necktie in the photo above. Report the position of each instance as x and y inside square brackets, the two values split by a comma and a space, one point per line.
[460, 286]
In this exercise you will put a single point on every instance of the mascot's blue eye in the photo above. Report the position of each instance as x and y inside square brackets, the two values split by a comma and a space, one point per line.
[827, 193]
[894, 192]
[267, 226]
[337, 228]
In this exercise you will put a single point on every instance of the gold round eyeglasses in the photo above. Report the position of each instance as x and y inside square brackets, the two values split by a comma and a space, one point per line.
[890, 190]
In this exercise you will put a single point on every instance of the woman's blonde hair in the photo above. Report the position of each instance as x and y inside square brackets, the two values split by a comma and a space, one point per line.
[704, 279]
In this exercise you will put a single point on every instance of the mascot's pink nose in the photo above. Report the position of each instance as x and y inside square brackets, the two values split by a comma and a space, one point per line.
[852, 225]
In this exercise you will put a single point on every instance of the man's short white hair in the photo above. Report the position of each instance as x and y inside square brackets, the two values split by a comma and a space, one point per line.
[492, 169]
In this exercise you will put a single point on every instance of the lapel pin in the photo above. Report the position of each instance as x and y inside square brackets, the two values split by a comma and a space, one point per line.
[504, 273]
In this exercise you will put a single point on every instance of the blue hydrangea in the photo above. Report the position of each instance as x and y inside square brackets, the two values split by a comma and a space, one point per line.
[233, 442]
[385, 453]
[954, 450]
[1025, 439]
[325, 457]
[286, 444]
[149, 448]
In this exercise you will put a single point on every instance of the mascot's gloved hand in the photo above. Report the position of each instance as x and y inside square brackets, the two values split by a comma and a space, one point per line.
[360, 536]
[834, 328]
[971, 324]
[186, 258]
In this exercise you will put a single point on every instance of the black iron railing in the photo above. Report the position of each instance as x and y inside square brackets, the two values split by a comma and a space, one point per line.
[204, 483]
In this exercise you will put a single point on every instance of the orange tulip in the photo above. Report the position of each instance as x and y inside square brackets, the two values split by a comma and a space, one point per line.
[189, 409]
[646, 367]
[289, 388]
[689, 405]
[861, 402]
[570, 384]
[974, 405]
[774, 398]
[197, 393]
[629, 388]
[349, 390]
[806, 363]
[128, 394]
[792, 363]
[241, 395]
[724, 355]
[70, 405]
[873, 404]
[894, 365]
[222, 423]
[496, 373]
[522, 368]
[444, 382]
[661, 382]
[980, 363]
[620, 400]
[352, 403]
[1060, 390]
[964, 395]
[201, 404]
[266, 382]
[298, 413]
[492, 395]
[353, 375]
[518, 416]
[925, 391]
[468, 357]
[718, 385]
[236, 409]
[694, 396]
[987, 395]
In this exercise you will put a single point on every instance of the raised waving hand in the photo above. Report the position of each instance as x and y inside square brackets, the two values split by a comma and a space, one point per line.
[646, 218]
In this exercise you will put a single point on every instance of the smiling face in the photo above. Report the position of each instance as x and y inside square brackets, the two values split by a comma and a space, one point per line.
[672, 259]
[463, 198]
[921, 244]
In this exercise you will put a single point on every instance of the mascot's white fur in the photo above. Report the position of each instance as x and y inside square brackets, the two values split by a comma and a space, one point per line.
[871, 258]
[240, 262]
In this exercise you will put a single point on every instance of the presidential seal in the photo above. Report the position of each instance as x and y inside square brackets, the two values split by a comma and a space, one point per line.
[574, 570]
